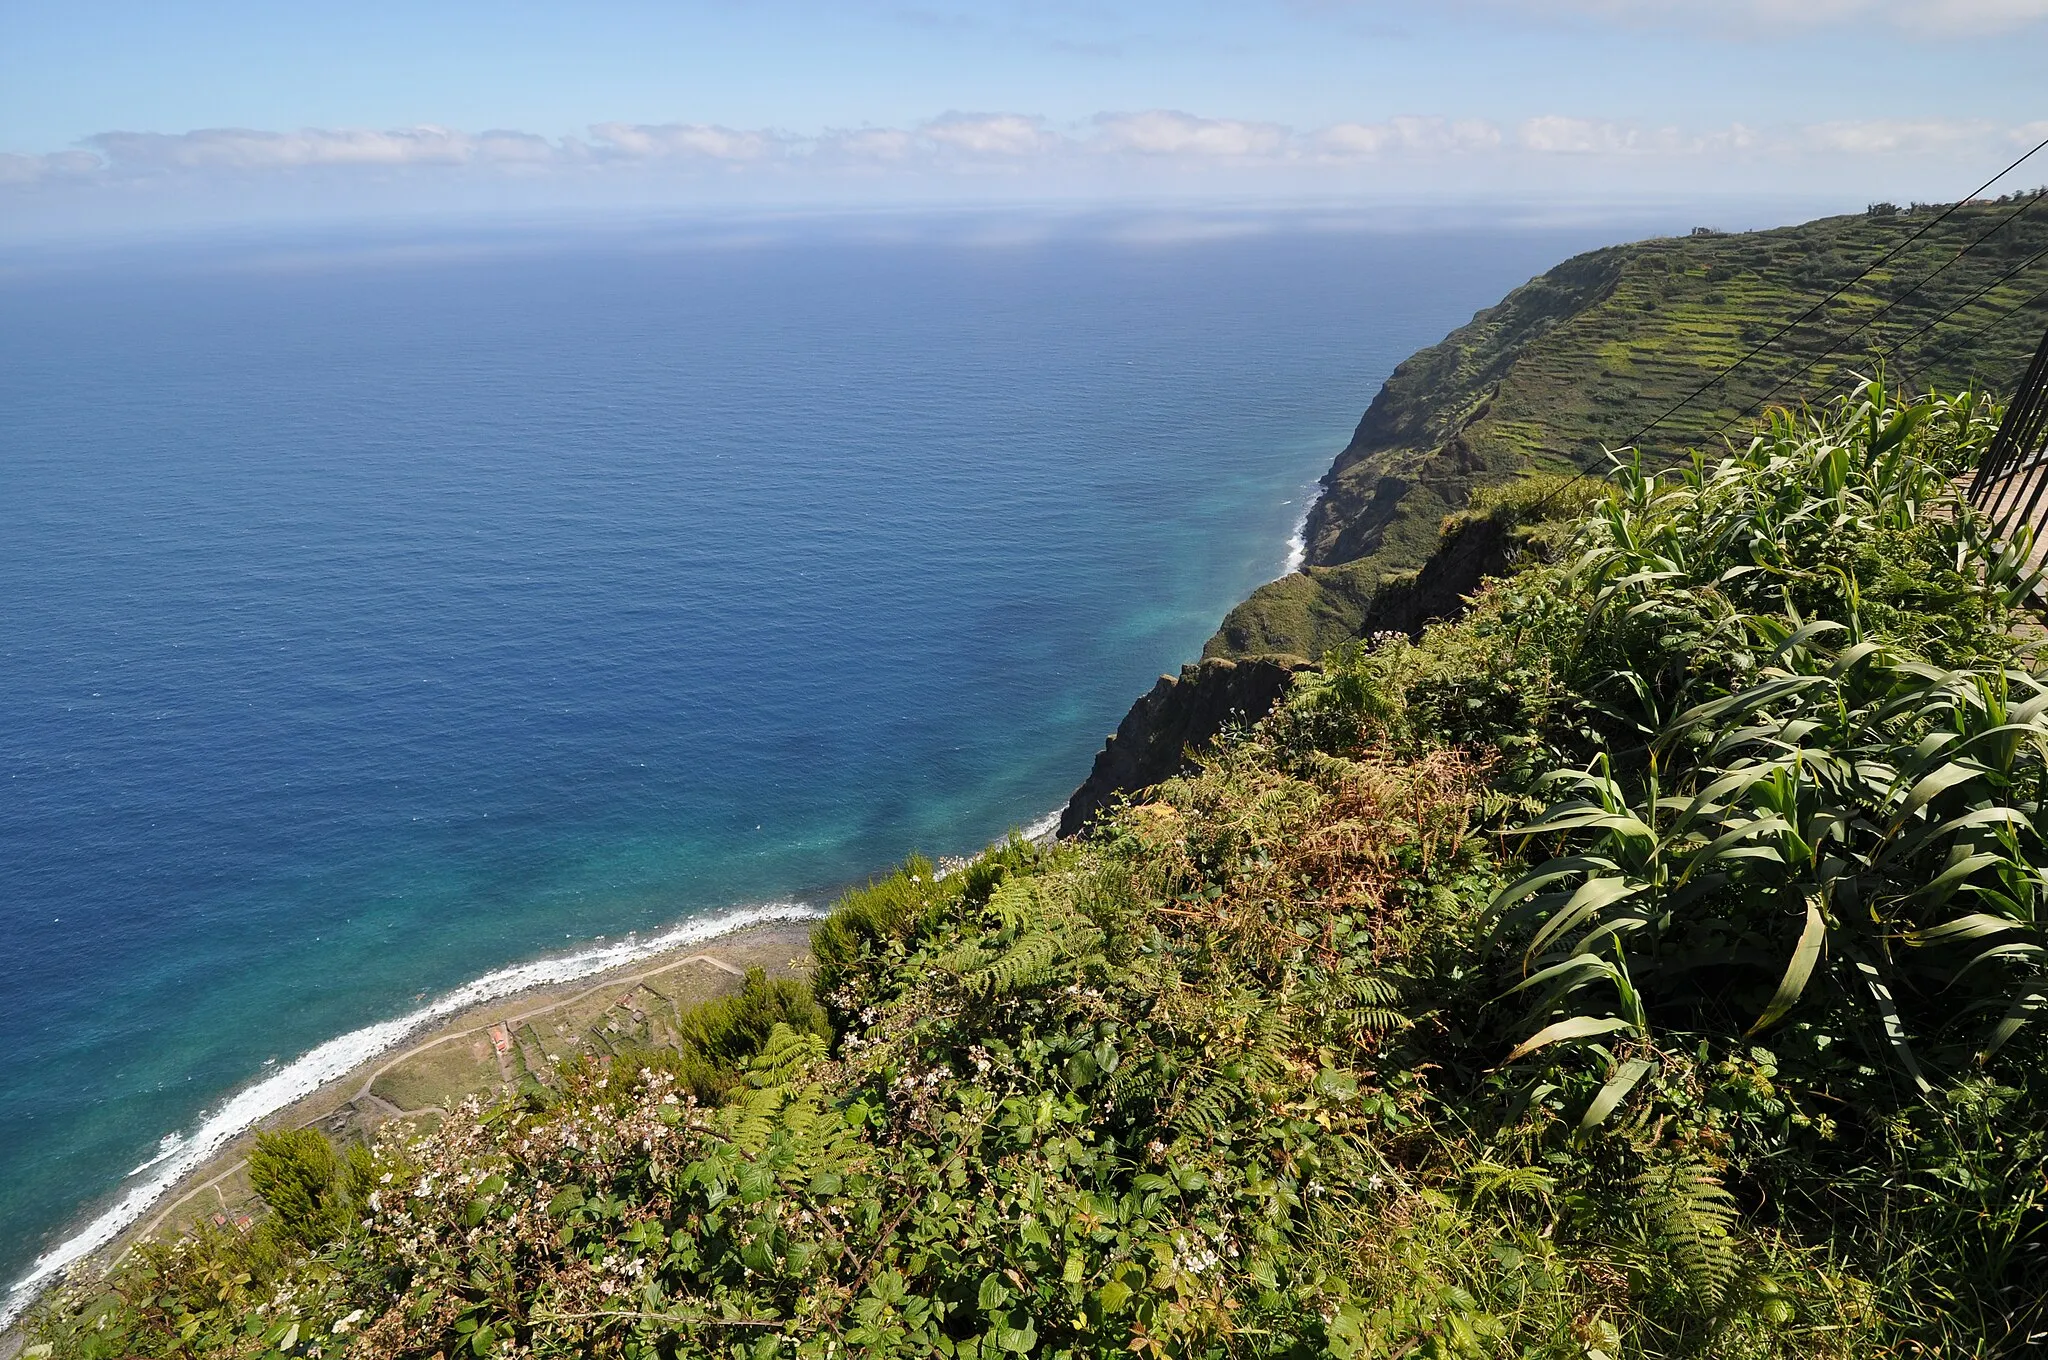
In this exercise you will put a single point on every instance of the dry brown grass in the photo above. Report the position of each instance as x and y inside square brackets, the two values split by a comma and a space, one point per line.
[1251, 855]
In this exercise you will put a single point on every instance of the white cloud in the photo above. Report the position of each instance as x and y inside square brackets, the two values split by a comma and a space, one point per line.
[57, 165]
[1156, 147]
[1557, 135]
[660, 141]
[1886, 136]
[1961, 18]
[887, 145]
[991, 134]
[1424, 136]
[1966, 18]
[245, 149]
[1165, 132]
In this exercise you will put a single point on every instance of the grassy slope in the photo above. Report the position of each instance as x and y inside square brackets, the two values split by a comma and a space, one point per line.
[1584, 356]
[1241, 1075]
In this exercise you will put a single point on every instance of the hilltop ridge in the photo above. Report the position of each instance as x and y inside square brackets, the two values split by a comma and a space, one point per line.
[1581, 358]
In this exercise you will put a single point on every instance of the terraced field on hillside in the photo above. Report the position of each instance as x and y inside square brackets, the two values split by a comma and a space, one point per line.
[1581, 359]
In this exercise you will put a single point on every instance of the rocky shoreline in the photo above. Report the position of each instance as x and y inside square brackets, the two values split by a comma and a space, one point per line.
[488, 1049]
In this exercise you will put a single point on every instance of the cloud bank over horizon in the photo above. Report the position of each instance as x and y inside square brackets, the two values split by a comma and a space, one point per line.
[1959, 19]
[1226, 154]
[380, 109]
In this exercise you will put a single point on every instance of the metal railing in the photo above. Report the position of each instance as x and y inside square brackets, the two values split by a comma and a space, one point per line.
[2011, 480]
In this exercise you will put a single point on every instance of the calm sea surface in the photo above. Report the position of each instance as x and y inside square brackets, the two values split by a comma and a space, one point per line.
[372, 623]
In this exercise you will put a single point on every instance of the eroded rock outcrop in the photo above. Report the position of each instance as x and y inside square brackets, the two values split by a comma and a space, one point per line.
[1172, 721]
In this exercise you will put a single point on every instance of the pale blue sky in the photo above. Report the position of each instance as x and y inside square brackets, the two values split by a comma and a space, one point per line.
[376, 105]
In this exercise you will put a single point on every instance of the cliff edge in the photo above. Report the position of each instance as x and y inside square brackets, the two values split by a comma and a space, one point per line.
[1452, 470]
[1583, 358]
[1177, 716]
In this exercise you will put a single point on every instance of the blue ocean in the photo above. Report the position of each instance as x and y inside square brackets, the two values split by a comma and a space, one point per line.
[380, 615]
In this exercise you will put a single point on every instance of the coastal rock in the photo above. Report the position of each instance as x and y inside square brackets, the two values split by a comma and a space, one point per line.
[1158, 738]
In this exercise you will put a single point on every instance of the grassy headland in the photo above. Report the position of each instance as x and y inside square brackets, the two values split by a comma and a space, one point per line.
[1638, 966]
[1580, 359]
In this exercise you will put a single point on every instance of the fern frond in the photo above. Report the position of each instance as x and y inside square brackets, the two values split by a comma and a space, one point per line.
[1033, 960]
[788, 1054]
[1208, 1111]
[1693, 1216]
[751, 1121]
[1492, 1178]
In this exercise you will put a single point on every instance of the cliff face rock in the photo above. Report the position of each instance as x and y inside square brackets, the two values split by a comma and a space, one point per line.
[1154, 740]
[1434, 429]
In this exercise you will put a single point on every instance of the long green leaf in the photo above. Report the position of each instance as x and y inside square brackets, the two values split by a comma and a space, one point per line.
[1592, 895]
[2022, 1009]
[2019, 949]
[1943, 884]
[1976, 817]
[1742, 701]
[1547, 872]
[1975, 926]
[1932, 786]
[1799, 969]
[1578, 1027]
[1848, 658]
[1718, 849]
[1628, 824]
[1592, 965]
[1894, 1024]
[1618, 1086]
[1805, 633]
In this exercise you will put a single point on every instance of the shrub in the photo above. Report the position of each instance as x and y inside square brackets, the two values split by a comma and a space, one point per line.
[716, 1040]
[886, 911]
[312, 1191]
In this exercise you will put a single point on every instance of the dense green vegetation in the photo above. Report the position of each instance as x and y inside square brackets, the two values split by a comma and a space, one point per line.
[1637, 967]
[715, 1040]
[1582, 358]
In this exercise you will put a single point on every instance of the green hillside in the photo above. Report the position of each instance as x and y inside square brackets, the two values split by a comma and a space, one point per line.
[1638, 967]
[1580, 359]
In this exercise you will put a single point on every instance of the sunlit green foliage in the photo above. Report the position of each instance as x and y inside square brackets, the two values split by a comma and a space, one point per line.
[1632, 969]
[716, 1040]
[313, 1192]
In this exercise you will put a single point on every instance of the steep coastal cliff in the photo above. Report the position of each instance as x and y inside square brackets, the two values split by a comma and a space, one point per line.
[1260, 1071]
[1432, 493]
[1172, 717]
[1583, 358]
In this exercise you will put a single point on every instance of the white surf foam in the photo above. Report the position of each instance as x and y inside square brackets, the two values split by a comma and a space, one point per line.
[1045, 825]
[180, 1153]
[166, 1147]
[1297, 542]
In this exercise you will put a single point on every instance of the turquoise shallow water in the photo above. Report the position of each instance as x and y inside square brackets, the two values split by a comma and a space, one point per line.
[376, 620]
